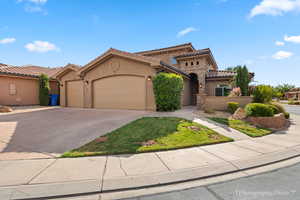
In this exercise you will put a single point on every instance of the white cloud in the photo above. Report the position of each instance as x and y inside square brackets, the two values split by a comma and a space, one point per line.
[294, 39]
[275, 7]
[279, 43]
[186, 31]
[7, 40]
[282, 55]
[34, 1]
[41, 46]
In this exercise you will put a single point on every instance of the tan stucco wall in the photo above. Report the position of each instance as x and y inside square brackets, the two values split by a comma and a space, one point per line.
[166, 56]
[54, 87]
[27, 91]
[69, 76]
[119, 66]
[211, 85]
[114, 66]
[186, 93]
[220, 103]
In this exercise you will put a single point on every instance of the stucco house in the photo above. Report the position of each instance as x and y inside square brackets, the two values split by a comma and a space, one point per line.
[123, 80]
[19, 85]
[293, 94]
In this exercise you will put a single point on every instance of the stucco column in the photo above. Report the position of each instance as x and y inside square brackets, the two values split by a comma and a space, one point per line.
[87, 93]
[201, 96]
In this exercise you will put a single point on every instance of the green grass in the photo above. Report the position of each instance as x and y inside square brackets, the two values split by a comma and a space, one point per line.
[167, 132]
[243, 127]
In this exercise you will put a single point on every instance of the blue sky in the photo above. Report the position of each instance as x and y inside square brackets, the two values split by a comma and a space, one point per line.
[263, 34]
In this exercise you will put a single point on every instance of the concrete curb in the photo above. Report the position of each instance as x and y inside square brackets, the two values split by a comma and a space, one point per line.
[89, 187]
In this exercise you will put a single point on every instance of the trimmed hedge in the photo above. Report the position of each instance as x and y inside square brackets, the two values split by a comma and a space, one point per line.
[44, 90]
[167, 90]
[232, 106]
[259, 110]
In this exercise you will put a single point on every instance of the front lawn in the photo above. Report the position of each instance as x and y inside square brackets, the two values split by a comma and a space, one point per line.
[243, 127]
[150, 134]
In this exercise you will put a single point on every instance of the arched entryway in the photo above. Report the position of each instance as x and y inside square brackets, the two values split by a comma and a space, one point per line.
[194, 88]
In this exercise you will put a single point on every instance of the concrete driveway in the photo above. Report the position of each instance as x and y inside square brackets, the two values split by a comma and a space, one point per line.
[48, 132]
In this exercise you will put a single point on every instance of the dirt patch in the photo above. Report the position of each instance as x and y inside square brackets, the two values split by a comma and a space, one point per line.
[194, 128]
[101, 139]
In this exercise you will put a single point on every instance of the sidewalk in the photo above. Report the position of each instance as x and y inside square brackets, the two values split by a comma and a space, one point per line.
[21, 179]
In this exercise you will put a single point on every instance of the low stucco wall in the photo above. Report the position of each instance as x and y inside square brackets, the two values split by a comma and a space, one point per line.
[276, 122]
[220, 103]
[26, 90]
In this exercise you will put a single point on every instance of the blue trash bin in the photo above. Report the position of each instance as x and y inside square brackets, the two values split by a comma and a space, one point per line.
[54, 99]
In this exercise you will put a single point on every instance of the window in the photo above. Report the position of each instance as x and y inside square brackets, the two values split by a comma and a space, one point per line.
[173, 61]
[186, 64]
[197, 62]
[192, 63]
[12, 89]
[222, 90]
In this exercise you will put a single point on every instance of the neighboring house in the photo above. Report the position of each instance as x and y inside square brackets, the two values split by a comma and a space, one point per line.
[122, 80]
[20, 86]
[293, 94]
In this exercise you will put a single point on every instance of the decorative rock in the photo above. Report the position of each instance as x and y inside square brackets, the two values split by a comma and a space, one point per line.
[239, 114]
[276, 122]
[4, 109]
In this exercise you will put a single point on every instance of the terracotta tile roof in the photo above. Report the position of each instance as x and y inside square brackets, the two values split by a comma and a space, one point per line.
[220, 74]
[185, 45]
[223, 74]
[29, 70]
[195, 53]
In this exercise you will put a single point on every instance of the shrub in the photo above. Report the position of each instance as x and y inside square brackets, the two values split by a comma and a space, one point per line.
[235, 92]
[259, 110]
[279, 107]
[274, 108]
[44, 89]
[232, 106]
[262, 94]
[167, 91]
[287, 115]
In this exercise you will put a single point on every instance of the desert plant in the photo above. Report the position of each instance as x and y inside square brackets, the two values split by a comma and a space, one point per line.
[167, 91]
[242, 79]
[44, 89]
[275, 109]
[262, 94]
[287, 115]
[232, 107]
[259, 110]
[279, 107]
[235, 92]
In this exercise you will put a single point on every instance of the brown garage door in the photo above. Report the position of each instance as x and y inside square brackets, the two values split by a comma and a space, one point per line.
[119, 92]
[75, 94]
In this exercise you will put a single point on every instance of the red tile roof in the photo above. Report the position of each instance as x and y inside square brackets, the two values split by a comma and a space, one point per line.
[29, 70]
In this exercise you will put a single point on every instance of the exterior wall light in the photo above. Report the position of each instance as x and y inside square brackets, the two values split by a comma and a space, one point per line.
[87, 82]
[149, 78]
[200, 85]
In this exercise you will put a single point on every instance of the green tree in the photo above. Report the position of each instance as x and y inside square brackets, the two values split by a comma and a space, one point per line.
[284, 88]
[242, 79]
[262, 94]
[44, 90]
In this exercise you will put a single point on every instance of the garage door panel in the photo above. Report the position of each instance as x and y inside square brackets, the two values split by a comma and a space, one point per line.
[119, 92]
[75, 94]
